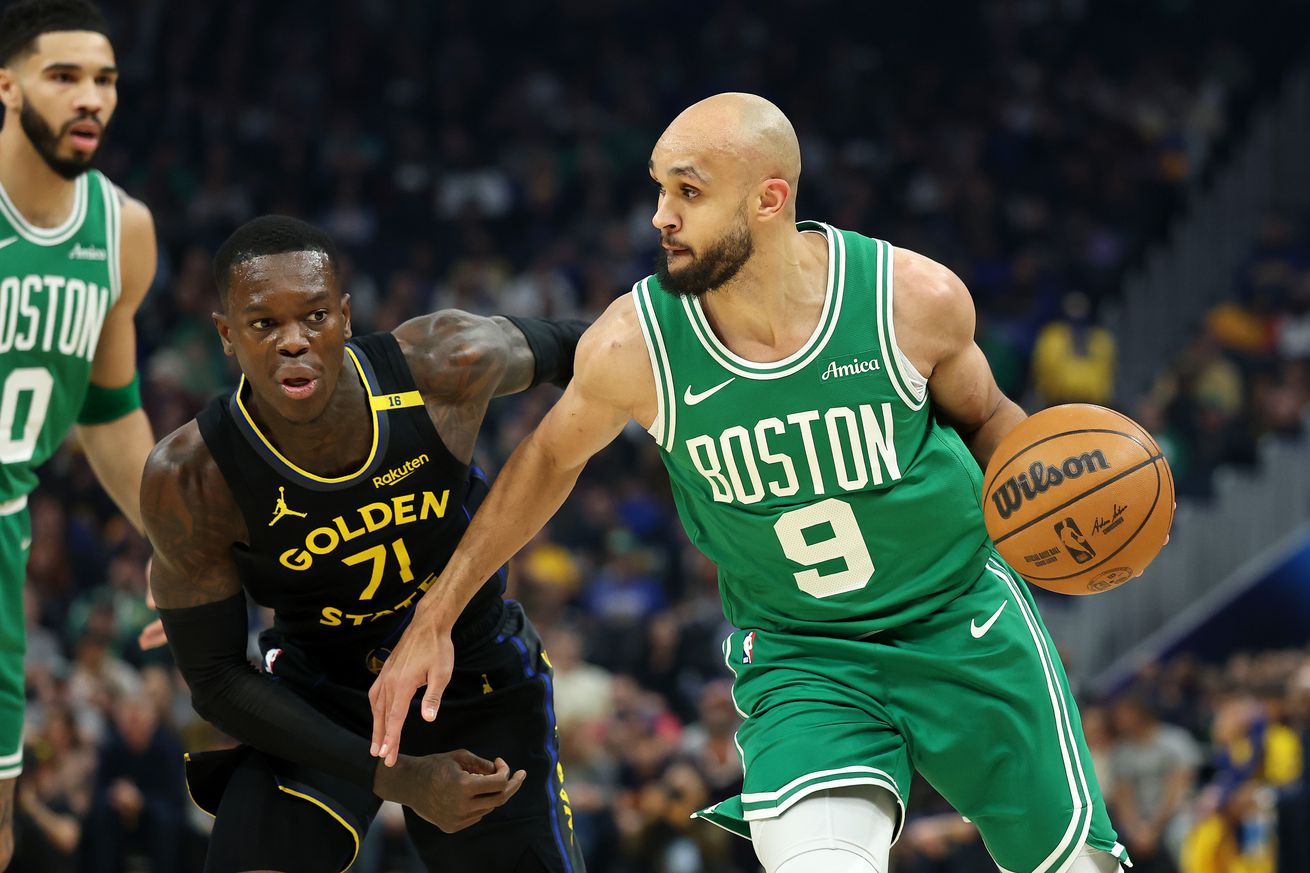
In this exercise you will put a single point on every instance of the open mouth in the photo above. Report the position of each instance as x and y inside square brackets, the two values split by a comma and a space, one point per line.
[85, 134]
[298, 388]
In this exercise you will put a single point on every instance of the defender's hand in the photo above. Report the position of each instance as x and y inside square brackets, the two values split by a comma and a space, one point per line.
[152, 635]
[424, 656]
[452, 790]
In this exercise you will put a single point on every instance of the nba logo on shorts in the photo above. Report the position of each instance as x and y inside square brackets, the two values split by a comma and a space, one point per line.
[1073, 541]
[748, 648]
[270, 657]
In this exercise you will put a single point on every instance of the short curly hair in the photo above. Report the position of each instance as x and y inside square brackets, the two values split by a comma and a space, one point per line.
[269, 235]
[22, 22]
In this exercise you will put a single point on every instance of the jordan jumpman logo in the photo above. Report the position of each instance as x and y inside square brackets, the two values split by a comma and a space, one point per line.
[282, 509]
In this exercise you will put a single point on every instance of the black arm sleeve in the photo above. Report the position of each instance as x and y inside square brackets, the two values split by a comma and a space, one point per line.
[209, 645]
[553, 343]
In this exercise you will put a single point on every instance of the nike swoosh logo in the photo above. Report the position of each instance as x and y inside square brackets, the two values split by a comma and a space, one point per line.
[979, 631]
[691, 398]
[8, 242]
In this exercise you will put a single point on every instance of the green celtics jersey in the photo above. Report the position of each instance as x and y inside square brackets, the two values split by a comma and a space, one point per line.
[822, 485]
[56, 286]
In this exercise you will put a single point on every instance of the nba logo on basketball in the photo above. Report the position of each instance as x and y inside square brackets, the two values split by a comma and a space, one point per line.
[1073, 541]
[748, 648]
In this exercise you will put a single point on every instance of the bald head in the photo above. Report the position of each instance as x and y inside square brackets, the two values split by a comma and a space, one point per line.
[742, 129]
[727, 169]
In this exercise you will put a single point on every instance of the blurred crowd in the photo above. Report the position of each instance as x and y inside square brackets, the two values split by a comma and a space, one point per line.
[1245, 373]
[491, 157]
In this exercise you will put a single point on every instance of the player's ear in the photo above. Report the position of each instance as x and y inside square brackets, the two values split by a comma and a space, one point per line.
[774, 197]
[10, 95]
[224, 332]
[345, 312]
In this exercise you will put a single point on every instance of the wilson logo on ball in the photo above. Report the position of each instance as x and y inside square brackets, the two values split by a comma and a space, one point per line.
[1039, 478]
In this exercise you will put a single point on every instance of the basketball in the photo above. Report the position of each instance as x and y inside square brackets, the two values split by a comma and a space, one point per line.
[1078, 499]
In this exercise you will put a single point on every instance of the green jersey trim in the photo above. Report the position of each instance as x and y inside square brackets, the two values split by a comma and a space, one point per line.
[113, 236]
[666, 415]
[47, 236]
[823, 331]
[1080, 797]
[9, 507]
[767, 804]
[910, 386]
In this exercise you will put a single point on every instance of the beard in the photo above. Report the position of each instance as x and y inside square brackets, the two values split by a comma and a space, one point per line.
[715, 267]
[46, 142]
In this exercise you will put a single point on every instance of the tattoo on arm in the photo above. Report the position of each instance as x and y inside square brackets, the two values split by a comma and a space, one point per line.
[192, 521]
[520, 364]
[460, 362]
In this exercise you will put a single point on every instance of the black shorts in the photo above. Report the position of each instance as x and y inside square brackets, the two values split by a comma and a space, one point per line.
[272, 814]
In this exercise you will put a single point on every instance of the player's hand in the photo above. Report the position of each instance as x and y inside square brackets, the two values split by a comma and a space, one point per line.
[452, 790]
[424, 656]
[152, 635]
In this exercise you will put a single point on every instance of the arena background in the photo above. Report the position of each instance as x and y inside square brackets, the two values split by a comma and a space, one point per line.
[1123, 186]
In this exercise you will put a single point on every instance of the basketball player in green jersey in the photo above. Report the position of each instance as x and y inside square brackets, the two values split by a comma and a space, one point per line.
[823, 412]
[76, 258]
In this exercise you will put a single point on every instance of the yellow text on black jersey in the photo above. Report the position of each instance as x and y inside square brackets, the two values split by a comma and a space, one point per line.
[400, 509]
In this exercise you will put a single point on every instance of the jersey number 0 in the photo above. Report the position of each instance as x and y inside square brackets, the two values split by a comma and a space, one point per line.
[18, 435]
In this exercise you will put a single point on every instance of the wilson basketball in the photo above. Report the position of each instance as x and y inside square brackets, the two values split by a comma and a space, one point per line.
[1078, 499]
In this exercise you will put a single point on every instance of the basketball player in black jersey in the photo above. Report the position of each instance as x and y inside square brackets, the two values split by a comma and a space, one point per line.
[332, 486]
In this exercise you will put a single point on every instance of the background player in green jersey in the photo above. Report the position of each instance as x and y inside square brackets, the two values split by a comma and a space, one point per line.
[818, 396]
[76, 258]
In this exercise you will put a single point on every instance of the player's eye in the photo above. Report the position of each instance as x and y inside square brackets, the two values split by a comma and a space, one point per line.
[261, 324]
[318, 316]
[63, 77]
[104, 80]
[689, 192]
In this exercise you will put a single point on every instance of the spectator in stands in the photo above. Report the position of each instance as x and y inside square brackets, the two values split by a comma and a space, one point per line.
[710, 742]
[593, 777]
[1100, 742]
[1292, 329]
[98, 677]
[44, 658]
[53, 797]
[1203, 398]
[138, 803]
[48, 831]
[669, 840]
[1256, 758]
[1153, 767]
[1294, 808]
[1074, 358]
[582, 690]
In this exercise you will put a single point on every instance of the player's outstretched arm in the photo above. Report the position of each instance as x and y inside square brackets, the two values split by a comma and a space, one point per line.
[112, 427]
[612, 383]
[464, 356]
[461, 361]
[935, 321]
[192, 520]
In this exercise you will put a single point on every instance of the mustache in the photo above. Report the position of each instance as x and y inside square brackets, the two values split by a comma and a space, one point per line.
[93, 117]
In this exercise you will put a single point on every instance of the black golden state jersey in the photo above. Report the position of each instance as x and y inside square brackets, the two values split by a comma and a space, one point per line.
[343, 560]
